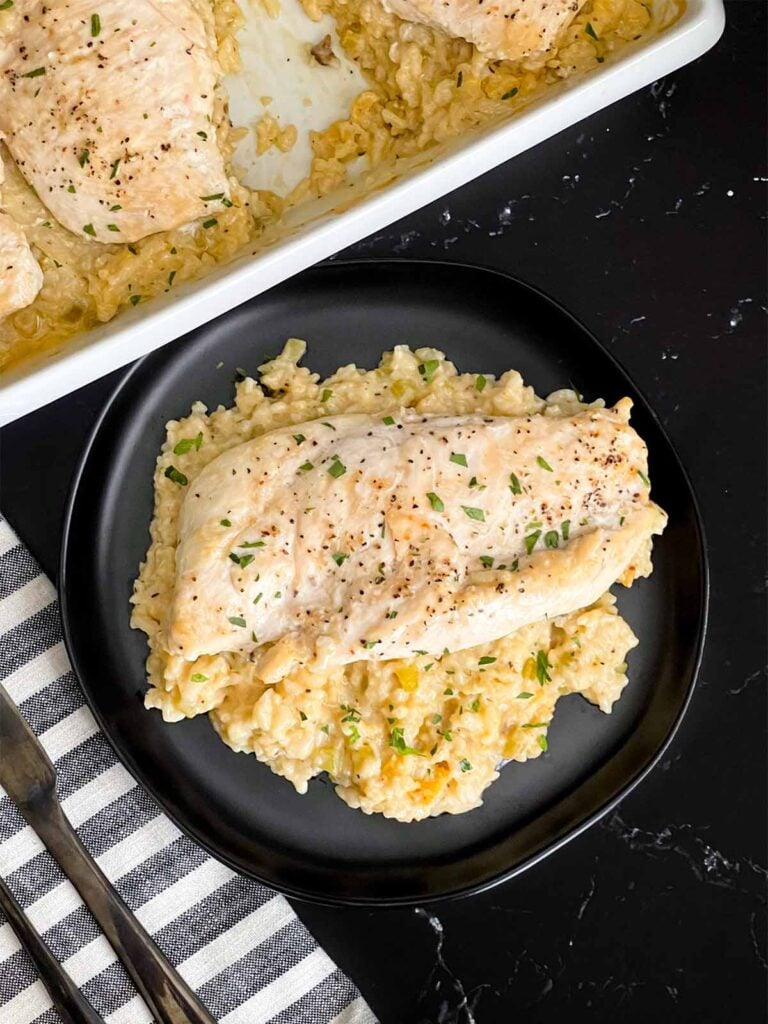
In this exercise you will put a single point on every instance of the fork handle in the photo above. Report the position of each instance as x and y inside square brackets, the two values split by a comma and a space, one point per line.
[70, 1003]
[168, 997]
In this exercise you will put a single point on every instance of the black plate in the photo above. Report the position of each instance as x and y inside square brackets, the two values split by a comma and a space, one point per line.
[314, 846]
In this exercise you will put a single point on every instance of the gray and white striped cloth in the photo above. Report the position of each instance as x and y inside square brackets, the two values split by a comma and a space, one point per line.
[239, 945]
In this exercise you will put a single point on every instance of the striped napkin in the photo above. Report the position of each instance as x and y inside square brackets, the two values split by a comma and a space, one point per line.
[238, 944]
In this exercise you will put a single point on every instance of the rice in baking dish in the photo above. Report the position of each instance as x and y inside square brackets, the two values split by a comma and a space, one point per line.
[465, 713]
[424, 88]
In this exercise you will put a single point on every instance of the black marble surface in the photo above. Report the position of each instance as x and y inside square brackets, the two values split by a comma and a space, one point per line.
[648, 222]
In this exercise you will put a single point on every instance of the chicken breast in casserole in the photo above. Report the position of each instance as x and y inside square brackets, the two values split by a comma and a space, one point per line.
[107, 110]
[503, 29]
[392, 575]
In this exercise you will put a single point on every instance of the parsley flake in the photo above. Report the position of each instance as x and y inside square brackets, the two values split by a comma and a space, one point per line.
[487, 561]
[186, 444]
[514, 484]
[544, 464]
[459, 459]
[531, 541]
[435, 502]
[398, 744]
[480, 382]
[336, 468]
[510, 93]
[565, 528]
[465, 765]
[198, 677]
[340, 557]
[590, 31]
[474, 513]
[178, 478]
[486, 660]
[428, 368]
[95, 25]
[542, 668]
[644, 478]
[34, 74]
[388, 421]
[551, 539]
[236, 620]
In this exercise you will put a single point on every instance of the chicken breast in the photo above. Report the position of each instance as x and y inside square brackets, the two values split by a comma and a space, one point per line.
[108, 115]
[362, 537]
[20, 275]
[506, 29]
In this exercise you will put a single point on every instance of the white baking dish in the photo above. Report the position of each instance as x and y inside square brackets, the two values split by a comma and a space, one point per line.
[314, 231]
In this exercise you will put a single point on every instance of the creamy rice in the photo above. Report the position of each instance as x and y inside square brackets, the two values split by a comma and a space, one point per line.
[465, 713]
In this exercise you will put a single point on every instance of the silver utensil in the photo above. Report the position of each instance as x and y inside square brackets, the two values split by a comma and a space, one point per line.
[29, 778]
[71, 1004]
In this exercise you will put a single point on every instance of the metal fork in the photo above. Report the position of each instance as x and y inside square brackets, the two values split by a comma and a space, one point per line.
[72, 1006]
[29, 779]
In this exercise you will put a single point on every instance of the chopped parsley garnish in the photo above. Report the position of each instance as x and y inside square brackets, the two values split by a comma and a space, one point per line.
[198, 677]
[95, 25]
[486, 660]
[565, 528]
[302, 716]
[524, 695]
[203, 136]
[590, 31]
[299, 438]
[89, 229]
[428, 368]
[398, 744]
[325, 728]
[535, 524]
[474, 513]
[113, 170]
[84, 158]
[236, 620]
[337, 467]
[480, 382]
[487, 561]
[326, 395]
[388, 421]
[178, 478]
[391, 615]
[552, 539]
[535, 725]
[542, 668]
[225, 522]
[544, 464]
[186, 444]
[514, 484]
[475, 705]
[465, 765]
[135, 300]
[510, 93]
[621, 520]
[6, 5]
[531, 540]
[436, 719]
[171, 277]
[644, 478]
[210, 223]
[114, 227]
[353, 735]
[340, 557]
[352, 714]
[213, 198]
[252, 544]
[435, 502]
[241, 560]
[448, 692]
[370, 644]
[329, 425]
[542, 741]
[34, 74]
[306, 466]
[459, 459]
